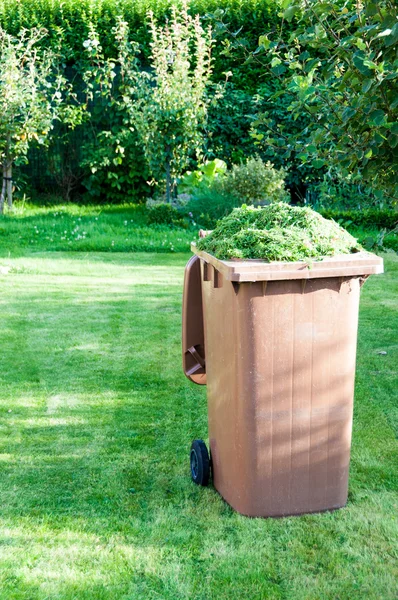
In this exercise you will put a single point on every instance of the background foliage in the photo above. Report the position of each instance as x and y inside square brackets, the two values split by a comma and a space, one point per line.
[69, 24]
[69, 21]
[339, 65]
[29, 100]
[281, 65]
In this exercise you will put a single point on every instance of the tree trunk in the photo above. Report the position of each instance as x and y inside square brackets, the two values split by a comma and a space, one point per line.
[168, 175]
[9, 185]
[3, 189]
[7, 173]
[168, 184]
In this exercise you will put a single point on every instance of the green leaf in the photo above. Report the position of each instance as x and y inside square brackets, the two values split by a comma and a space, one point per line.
[360, 44]
[369, 242]
[318, 163]
[367, 84]
[377, 116]
[264, 42]
[323, 7]
[359, 63]
[393, 37]
[348, 113]
[318, 136]
[389, 21]
[290, 12]
[370, 64]
[212, 167]
[393, 140]
[384, 33]
[279, 69]
[371, 9]
[277, 94]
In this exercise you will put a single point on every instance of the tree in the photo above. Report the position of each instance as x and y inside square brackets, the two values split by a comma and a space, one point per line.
[340, 66]
[155, 115]
[172, 107]
[29, 100]
[111, 86]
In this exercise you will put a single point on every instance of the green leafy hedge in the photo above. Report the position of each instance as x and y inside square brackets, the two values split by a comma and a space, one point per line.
[371, 218]
[67, 22]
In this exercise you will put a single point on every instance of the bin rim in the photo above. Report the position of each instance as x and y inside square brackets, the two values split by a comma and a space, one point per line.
[341, 265]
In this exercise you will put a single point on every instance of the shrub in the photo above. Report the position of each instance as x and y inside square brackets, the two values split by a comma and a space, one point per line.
[203, 177]
[371, 218]
[165, 214]
[273, 128]
[230, 117]
[209, 204]
[95, 157]
[339, 65]
[68, 23]
[339, 192]
[255, 182]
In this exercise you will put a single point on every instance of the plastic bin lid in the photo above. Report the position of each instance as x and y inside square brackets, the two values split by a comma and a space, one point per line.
[341, 265]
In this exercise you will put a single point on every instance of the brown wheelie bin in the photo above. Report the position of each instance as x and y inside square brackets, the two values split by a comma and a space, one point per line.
[276, 345]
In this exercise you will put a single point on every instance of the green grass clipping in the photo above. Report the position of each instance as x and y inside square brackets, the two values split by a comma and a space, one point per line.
[277, 232]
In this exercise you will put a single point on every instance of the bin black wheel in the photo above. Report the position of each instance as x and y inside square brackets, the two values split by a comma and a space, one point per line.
[200, 463]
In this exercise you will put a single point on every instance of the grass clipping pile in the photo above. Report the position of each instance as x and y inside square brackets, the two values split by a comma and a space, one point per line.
[278, 232]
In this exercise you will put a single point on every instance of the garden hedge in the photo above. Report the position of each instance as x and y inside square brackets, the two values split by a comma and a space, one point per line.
[370, 218]
[67, 22]
[229, 127]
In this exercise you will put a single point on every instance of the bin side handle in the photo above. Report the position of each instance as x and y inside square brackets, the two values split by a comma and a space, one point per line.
[193, 347]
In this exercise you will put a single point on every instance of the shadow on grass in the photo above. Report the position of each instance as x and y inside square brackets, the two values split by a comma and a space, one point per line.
[94, 459]
[75, 210]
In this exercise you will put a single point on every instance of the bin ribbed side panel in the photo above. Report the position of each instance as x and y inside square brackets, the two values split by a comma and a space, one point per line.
[280, 367]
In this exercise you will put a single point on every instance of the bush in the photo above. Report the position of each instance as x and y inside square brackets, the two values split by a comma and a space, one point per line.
[338, 192]
[338, 65]
[255, 182]
[368, 219]
[165, 214]
[272, 131]
[230, 118]
[203, 177]
[210, 204]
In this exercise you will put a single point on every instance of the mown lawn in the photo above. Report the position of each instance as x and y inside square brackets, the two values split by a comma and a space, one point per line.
[96, 421]
[115, 228]
[74, 228]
